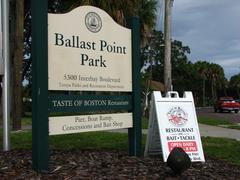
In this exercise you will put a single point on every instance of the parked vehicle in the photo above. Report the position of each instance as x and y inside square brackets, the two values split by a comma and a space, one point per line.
[226, 104]
[237, 100]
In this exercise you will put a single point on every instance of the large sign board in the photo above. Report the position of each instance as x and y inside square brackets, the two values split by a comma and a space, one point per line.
[83, 50]
[88, 51]
[173, 123]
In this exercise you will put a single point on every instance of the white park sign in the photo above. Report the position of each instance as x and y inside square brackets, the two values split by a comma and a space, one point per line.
[88, 51]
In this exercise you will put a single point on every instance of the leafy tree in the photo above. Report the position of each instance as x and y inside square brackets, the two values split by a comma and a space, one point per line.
[212, 77]
[150, 59]
[119, 10]
[204, 79]
[235, 83]
[216, 75]
[153, 55]
[203, 70]
[181, 67]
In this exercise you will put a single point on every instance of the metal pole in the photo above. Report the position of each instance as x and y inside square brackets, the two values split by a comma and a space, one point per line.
[167, 50]
[6, 84]
[1, 56]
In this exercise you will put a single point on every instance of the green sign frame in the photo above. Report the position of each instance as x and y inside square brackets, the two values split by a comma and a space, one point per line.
[42, 98]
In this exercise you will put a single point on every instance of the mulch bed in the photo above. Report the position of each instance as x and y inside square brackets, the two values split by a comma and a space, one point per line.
[109, 164]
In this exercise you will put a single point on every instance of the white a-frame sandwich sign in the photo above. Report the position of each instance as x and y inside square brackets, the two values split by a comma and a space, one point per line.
[173, 123]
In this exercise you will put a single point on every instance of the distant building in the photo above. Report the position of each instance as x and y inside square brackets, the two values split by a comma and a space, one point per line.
[156, 86]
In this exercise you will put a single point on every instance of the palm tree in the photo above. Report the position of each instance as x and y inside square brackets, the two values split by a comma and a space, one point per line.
[147, 14]
[216, 75]
[119, 10]
[203, 70]
[235, 83]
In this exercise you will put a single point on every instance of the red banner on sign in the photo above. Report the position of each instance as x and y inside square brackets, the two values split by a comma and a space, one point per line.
[187, 146]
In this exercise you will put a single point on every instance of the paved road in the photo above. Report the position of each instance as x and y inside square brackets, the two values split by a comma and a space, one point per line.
[209, 112]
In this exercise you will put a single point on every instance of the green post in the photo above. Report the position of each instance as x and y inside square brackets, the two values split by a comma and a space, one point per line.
[40, 154]
[135, 133]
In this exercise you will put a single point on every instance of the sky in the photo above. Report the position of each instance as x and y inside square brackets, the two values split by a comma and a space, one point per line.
[211, 28]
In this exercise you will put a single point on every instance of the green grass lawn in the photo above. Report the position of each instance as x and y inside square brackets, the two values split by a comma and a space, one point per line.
[218, 122]
[222, 148]
[226, 149]
[144, 123]
[89, 140]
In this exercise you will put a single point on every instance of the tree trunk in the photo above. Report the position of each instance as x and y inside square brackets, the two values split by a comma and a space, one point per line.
[167, 50]
[203, 92]
[17, 65]
[238, 92]
[145, 99]
[213, 90]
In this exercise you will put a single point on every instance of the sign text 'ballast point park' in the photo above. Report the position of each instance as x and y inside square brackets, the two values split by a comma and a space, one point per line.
[90, 42]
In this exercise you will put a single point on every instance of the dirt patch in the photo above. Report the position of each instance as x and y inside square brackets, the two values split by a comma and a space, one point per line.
[109, 164]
